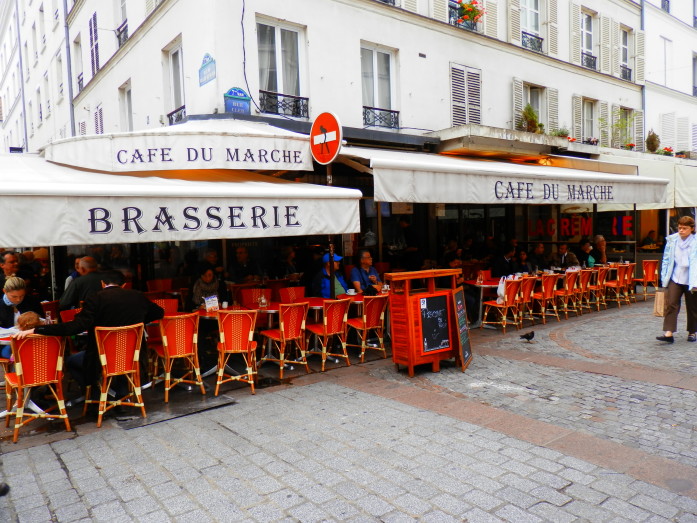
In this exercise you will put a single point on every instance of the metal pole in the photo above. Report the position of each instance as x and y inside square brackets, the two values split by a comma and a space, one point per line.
[332, 292]
[52, 261]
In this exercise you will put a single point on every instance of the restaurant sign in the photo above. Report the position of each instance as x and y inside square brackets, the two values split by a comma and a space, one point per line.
[553, 192]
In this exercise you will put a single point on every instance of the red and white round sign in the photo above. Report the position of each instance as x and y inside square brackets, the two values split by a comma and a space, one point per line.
[325, 138]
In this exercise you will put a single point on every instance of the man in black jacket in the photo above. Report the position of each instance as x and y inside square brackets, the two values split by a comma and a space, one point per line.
[113, 306]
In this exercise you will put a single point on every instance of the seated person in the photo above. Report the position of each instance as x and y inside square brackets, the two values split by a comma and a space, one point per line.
[585, 257]
[599, 250]
[565, 258]
[208, 285]
[523, 264]
[15, 302]
[322, 287]
[537, 257]
[650, 239]
[504, 264]
[364, 275]
[243, 269]
[29, 320]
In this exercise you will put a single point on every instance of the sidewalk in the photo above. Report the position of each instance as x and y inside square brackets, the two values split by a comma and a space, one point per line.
[592, 421]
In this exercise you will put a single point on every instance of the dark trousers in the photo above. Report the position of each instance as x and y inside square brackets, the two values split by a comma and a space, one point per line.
[673, 298]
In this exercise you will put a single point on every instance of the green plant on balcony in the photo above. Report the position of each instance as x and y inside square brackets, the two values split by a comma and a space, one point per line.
[469, 11]
[530, 121]
[562, 132]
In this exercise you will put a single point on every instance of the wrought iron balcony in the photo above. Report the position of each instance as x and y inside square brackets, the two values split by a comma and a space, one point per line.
[454, 16]
[289, 105]
[625, 72]
[665, 5]
[532, 42]
[177, 115]
[80, 82]
[372, 116]
[122, 33]
[589, 61]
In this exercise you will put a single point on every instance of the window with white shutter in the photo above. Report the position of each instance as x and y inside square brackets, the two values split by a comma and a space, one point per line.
[552, 109]
[575, 33]
[552, 28]
[576, 117]
[667, 130]
[682, 142]
[441, 10]
[639, 56]
[604, 124]
[491, 21]
[98, 121]
[639, 144]
[605, 45]
[465, 94]
[514, 31]
[410, 5]
[517, 103]
[694, 138]
[82, 127]
[94, 44]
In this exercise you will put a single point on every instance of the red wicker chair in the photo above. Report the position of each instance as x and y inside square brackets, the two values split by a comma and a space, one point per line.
[292, 294]
[179, 342]
[38, 361]
[236, 337]
[616, 290]
[335, 315]
[597, 289]
[649, 269]
[290, 331]
[509, 304]
[527, 287]
[373, 319]
[566, 297]
[545, 298]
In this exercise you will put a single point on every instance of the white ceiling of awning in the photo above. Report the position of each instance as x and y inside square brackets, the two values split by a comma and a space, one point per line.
[49, 204]
[197, 144]
[429, 178]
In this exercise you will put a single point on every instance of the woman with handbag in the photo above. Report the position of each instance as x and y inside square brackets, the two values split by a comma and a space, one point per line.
[679, 275]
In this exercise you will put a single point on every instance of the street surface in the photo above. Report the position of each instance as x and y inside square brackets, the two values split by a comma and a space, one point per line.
[592, 421]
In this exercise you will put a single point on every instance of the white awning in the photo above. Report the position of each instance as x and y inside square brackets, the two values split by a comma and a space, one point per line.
[429, 178]
[198, 144]
[49, 204]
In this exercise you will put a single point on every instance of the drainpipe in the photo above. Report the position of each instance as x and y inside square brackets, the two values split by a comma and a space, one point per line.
[69, 63]
[21, 78]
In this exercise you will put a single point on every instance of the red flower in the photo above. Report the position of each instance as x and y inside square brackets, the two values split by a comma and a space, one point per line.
[571, 139]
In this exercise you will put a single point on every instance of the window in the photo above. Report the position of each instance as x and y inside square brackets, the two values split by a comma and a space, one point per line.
[589, 117]
[94, 44]
[587, 58]
[626, 126]
[176, 76]
[466, 94]
[376, 82]
[279, 71]
[59, 75]
[533, 95]
[530, 16]
[126, 106]
[98, 120]
[625, 71]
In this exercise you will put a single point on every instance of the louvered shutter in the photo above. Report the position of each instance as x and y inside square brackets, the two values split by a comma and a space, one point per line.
[440, 10]
[517, 103]
[82, 126]
[614, 119]
[514, 35]
[639, 56]
[694, 138]
[94, 44]
[410, 5]
[604, 125]
[491, 18]
[458, 94]
[149, 6]
[474, 96]
[639, 144]
[605, 45]
[98, 121]
[577, 117]
[667, 130]
[575, 32]
[552, 109]
[553, 28]
[682, 140]
[615, 42]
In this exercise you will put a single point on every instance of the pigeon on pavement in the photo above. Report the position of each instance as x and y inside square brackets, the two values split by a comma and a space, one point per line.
[528, 336]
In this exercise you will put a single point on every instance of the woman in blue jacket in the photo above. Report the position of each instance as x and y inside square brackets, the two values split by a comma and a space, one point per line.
[679, 275]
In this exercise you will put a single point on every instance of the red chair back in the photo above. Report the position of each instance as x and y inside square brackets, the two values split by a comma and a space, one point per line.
[374, 310]
[236, 330]
[649, 269]
[292, 320]
[527, 286]
[119, 348]
[38, 359]
[164, 284]
[549, 281]
[570, 282]
[179, 334]
[51, 307]
[291, 294]
[585, 279]
[276, 286]
[629, 275]
[486, 274]
[170, 305]
[335, 315]
[622, 275]
[602, 275]
[250, 297]
[69, 315]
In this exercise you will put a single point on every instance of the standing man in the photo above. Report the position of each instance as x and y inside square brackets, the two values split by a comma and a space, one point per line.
[113, 306]
[89, 282]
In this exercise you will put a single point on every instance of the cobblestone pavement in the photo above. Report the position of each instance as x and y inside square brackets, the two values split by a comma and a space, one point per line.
[575, 438]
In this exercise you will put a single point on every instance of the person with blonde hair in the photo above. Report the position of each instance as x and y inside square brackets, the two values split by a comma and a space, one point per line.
[15, 302]
[679, 275]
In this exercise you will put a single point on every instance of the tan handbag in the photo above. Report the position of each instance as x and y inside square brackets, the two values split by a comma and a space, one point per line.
[660, 303]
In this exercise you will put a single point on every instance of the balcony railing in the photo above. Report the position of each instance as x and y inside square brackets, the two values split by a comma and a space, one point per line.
[289, 105]
[625, 73]
[177, 115]
[665, 5]
[453, 17]
[372, 116]
[589, 61]
[122, 33]
[532, 42]
[80, 82]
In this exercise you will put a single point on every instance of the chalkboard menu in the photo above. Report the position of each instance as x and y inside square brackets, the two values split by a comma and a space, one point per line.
[434, 323]
[462, 328]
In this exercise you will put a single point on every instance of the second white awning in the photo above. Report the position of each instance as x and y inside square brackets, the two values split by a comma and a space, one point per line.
[430, 178]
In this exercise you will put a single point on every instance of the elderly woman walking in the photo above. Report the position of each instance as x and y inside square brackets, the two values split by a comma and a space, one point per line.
[679, 275]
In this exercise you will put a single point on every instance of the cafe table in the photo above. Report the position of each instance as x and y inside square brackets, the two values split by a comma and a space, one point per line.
[485, 284]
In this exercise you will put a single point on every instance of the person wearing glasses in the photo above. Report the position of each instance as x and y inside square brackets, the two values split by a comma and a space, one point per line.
[679, 275]
[364, 275]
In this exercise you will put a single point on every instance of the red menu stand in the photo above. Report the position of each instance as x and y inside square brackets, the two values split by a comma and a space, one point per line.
[424, 320]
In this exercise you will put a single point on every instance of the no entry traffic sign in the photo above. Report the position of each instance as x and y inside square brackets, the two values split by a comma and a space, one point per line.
[325, 138]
